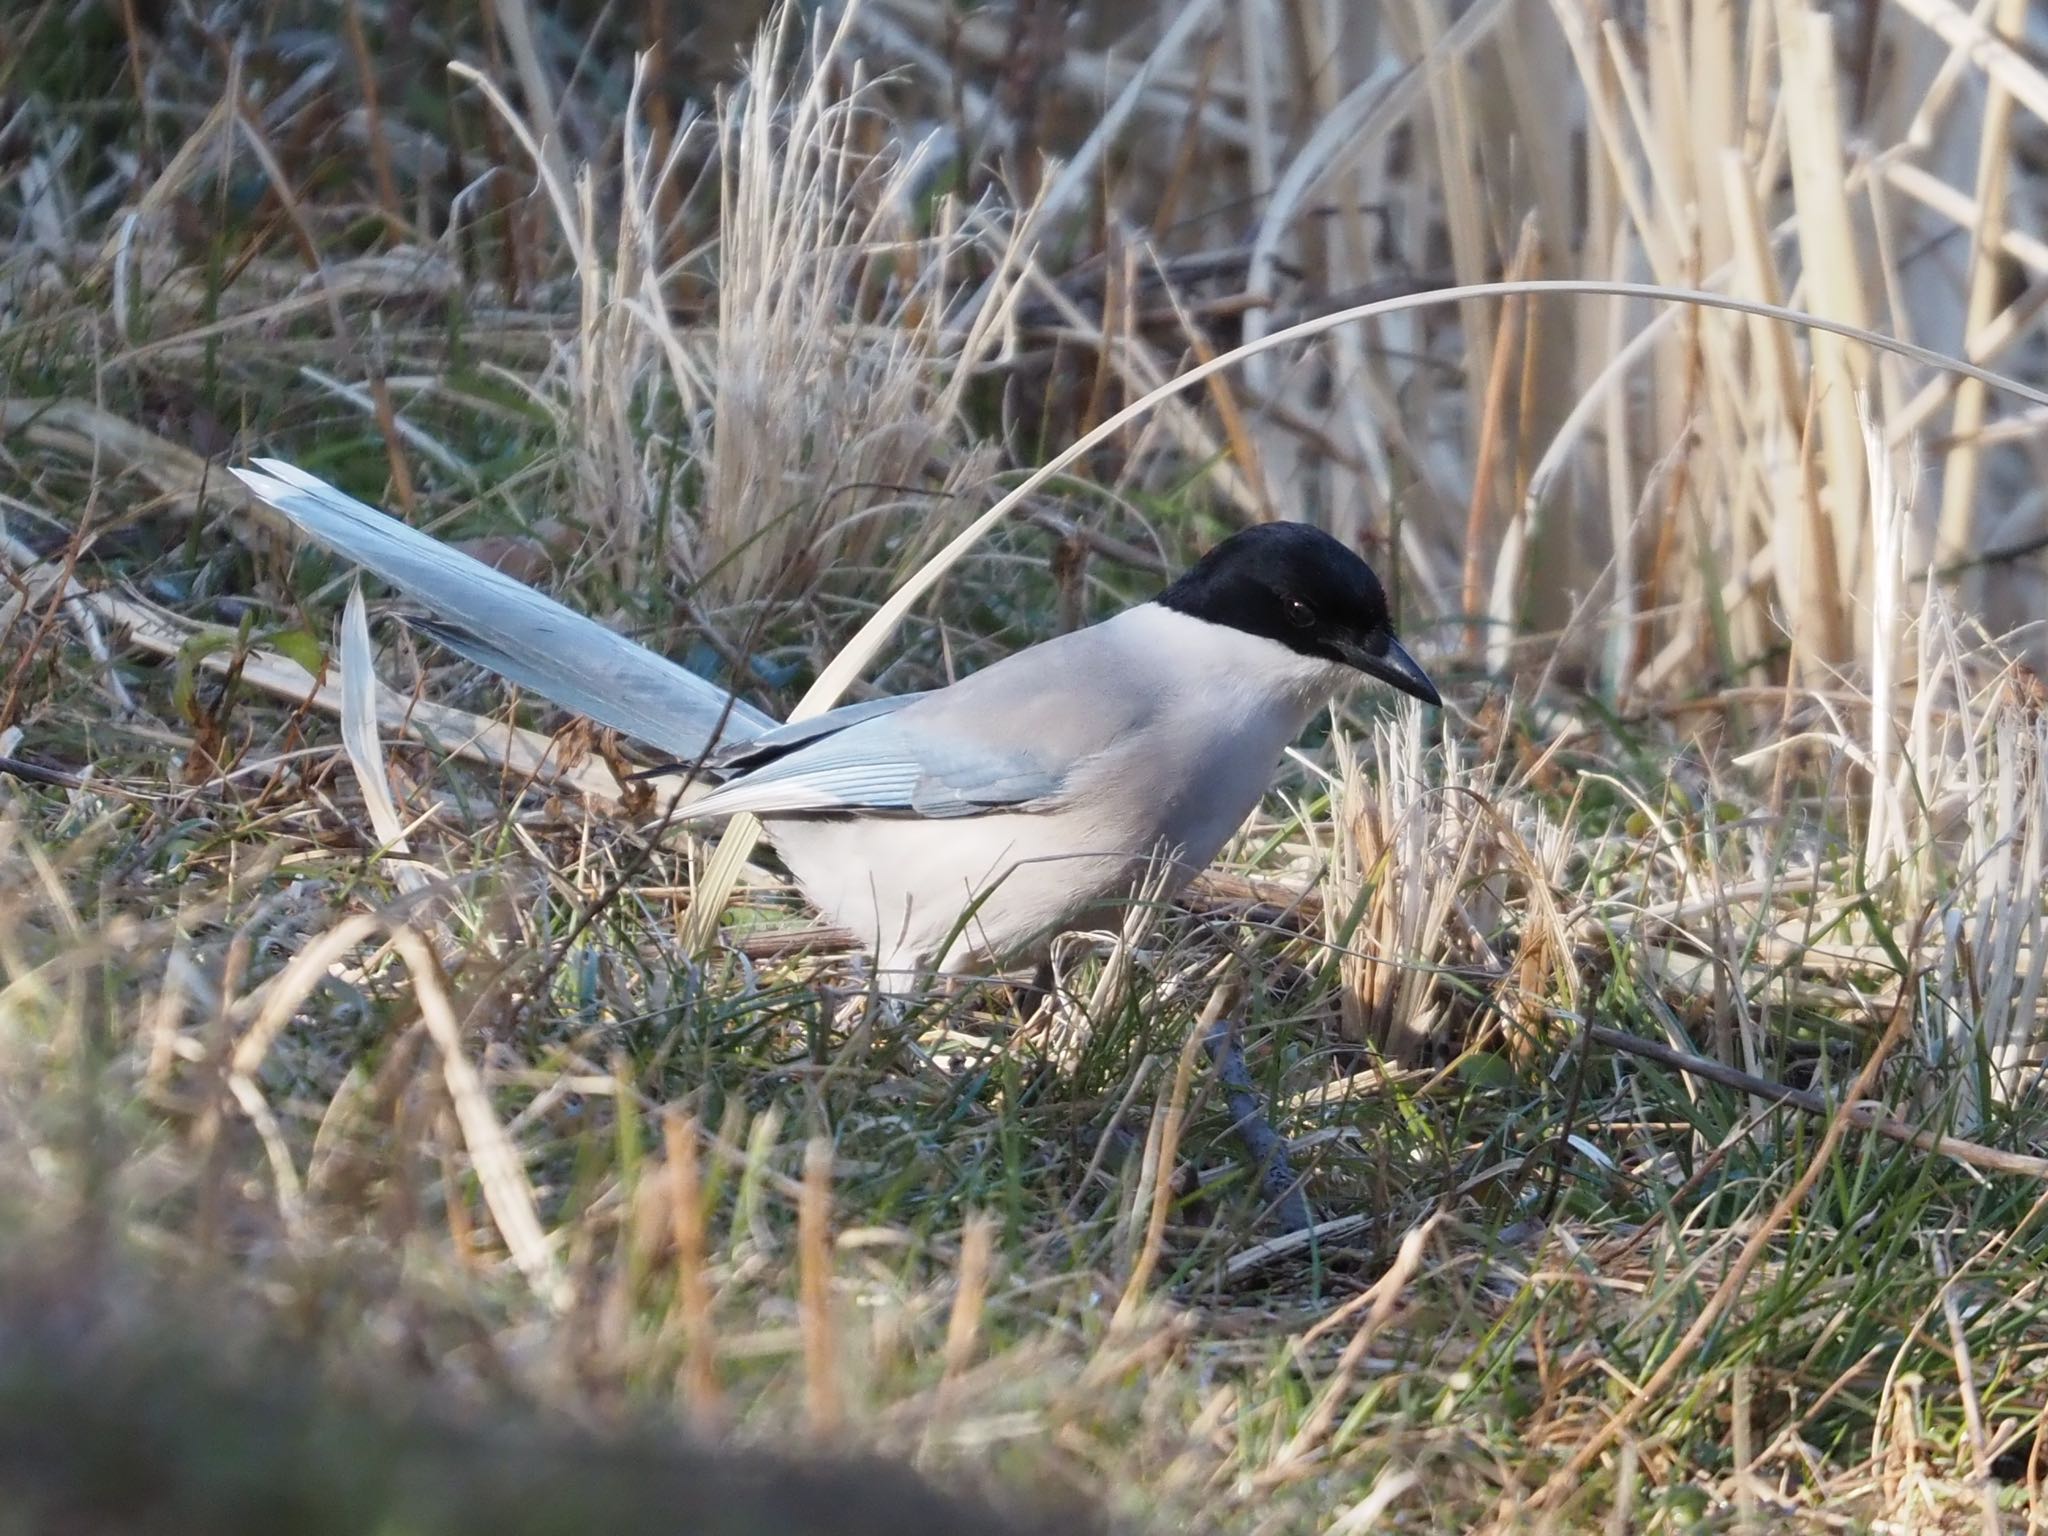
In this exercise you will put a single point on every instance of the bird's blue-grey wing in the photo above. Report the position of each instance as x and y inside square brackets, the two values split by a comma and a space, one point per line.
[1016, 735]
[880, 767]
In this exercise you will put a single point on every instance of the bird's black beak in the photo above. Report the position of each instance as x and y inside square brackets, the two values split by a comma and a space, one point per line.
[1392, 665]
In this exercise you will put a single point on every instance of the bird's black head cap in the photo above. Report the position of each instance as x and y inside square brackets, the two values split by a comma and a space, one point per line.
[1294, 584]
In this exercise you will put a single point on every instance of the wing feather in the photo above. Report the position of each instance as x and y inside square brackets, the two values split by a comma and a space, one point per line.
[757, 751]
[1018, 735]
[885, 765]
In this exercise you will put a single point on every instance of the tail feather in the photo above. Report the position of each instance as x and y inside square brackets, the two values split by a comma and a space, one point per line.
[522, 635]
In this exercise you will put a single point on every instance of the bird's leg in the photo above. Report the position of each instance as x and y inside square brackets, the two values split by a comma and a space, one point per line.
[875, 1024]
[854, 1011]
[1278, 1184]
[1028, 997]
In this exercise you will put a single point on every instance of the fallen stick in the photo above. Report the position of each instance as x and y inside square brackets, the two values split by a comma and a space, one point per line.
[1867, 1116]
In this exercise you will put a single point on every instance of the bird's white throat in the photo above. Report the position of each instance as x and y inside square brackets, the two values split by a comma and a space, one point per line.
[1226, 660]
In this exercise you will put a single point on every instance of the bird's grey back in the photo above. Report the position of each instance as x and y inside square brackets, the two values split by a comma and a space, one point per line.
[1014, 735]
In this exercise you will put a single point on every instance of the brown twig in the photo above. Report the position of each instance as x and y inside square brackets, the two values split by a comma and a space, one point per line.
[1868, 1117]
[380, 147]
[814, 1280]
[699, 1377]
[1162, 1145]
[36, 773]
[1491, 431]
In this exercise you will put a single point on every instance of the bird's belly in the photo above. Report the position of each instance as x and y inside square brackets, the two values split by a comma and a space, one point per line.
[952, 892]
[961, 890]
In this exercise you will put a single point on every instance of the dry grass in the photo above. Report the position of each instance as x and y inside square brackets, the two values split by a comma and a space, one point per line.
[372, 1012]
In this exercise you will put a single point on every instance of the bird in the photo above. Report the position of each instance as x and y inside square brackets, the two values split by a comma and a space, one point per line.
[964, 826]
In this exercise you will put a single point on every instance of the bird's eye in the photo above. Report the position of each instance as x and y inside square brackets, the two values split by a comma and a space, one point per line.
[1300, 615]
